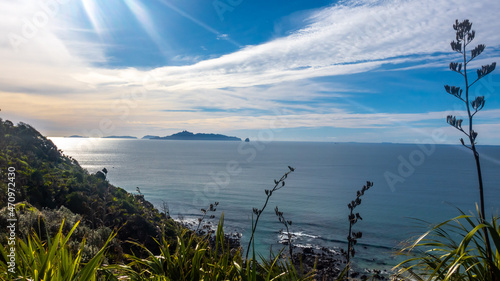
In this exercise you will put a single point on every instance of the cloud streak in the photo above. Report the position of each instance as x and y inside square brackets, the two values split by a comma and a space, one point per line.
[342, 39]
[51, 75]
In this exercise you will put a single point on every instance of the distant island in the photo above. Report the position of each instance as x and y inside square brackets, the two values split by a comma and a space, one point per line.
[185, 135]
[148, 137]
[108, 137]
[119, 137]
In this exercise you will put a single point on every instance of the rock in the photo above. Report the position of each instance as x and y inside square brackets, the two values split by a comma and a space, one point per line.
[308, 251]
[329, 265]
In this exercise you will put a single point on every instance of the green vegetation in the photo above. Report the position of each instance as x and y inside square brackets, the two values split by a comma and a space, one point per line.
[460, 248]
[464, 36]
[72, 225]
[45, 178]
[190, 258]
[51, 259]
[195, 259]
[50, 188]
[455, 250]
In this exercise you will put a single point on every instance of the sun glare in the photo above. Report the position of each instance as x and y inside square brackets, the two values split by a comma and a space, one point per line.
[106, 15]
[145, 19]
[95, 16]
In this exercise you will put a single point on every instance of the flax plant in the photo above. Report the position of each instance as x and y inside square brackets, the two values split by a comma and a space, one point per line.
[286, 224]
[53, 260]
[190, 259]
[194, 258]
[278, 184]
[454, 250]
[464, 36]
[352, 237]
[211, 208]
[439, 255]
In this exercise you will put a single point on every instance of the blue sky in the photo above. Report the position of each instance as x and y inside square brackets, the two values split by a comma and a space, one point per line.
[363, 70]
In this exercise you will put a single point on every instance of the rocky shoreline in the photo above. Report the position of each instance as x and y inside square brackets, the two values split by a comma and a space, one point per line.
[329, 265]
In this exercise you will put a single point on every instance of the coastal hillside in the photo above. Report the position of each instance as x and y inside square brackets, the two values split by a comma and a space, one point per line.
[100, 231]
[48, 183]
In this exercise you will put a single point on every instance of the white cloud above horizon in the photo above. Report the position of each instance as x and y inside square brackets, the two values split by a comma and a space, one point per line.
[53, 76]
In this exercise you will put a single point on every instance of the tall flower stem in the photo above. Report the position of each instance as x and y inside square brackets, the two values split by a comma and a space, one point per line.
[464, 36]
[278, 184]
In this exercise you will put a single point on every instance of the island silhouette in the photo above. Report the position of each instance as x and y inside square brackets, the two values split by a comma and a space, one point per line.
[186, 135]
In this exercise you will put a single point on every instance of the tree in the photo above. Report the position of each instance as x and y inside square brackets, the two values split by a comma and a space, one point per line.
[464, 36]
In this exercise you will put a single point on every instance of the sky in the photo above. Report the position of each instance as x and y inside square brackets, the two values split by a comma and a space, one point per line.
[316, 70]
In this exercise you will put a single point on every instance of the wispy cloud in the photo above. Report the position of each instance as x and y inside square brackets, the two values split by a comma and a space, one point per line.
[222, 36]
[343, 39]
[347, 38]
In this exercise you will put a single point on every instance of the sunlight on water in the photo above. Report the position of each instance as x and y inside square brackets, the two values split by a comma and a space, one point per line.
[190, 175]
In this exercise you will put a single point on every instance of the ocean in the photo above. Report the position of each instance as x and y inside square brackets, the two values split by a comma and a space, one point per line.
[411, 182]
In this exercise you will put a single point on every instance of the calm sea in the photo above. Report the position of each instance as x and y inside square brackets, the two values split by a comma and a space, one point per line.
[410, 181]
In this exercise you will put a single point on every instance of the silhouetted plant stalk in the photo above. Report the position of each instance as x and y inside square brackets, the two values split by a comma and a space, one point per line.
[286, 223]
[353, 237]
[464, 36]
[165, 209]
[278, 184]
[212, 208]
